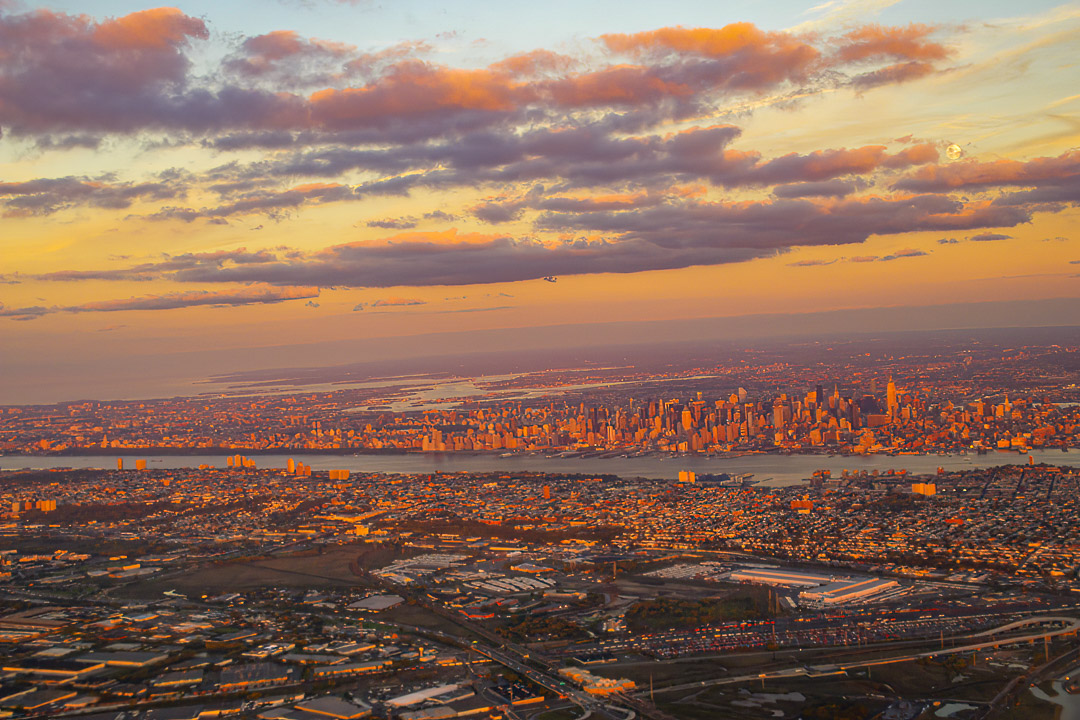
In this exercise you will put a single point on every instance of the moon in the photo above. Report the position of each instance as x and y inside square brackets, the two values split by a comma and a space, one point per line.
[954, 152]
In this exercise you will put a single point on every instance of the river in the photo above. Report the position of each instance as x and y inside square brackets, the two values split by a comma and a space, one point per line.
[768, 470]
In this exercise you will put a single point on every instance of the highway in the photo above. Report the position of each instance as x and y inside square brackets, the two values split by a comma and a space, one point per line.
[515, 657]
[1063, 625]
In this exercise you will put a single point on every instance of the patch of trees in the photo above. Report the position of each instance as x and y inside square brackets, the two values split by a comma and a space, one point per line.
[20, 478]
[668, 613]
[835, 711]
[531, 629]
[475, 528]
[102, 512]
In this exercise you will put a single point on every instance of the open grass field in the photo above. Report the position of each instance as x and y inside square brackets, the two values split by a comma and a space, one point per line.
[421, 617]
[666, 673]
[325, 570]
[1029, 708]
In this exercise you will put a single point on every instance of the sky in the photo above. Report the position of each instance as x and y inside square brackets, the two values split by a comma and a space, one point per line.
[230, 179]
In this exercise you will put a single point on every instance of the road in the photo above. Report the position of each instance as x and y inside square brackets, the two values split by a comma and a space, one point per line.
[527, 663]
[1063, 625]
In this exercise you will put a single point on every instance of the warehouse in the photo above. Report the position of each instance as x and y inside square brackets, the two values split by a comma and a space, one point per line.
[845, 591]
[783, 578]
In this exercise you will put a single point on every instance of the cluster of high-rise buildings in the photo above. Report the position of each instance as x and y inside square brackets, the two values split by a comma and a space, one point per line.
[906, 420]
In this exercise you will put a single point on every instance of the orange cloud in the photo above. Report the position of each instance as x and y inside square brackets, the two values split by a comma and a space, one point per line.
[533, 63]
[710, 42]
[914, 155]
[828, 164]
[689, 191]
[822, 164]
[872, 42]
[315, 188]
[756, 57]
[416, 87]
[972, 173]
[156, 29]
[617, 85]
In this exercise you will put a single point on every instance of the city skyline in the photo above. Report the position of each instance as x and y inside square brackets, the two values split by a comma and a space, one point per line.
[257, 185]
[922, 394]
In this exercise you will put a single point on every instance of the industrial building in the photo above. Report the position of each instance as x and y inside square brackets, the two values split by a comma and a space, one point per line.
[818, 588]
[782, 578]
[845, 591]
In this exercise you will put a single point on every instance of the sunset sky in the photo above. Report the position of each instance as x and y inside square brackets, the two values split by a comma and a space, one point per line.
[233, 177]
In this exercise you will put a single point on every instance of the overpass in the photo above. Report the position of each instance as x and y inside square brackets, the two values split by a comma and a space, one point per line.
[1062, 625]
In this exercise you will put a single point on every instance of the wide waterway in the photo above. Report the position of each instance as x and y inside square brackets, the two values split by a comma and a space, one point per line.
[774, 470]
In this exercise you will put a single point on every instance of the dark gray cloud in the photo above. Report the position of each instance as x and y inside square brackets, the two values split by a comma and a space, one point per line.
[499, 259]
[68, 142]
[171, 301]
[813, 263]
[284, 59]
[401, 223]
[440, 216]
[398, 302]
[825, 188]
[160, 268]
[273, 203]
[673, 234]
[1064, 192]
[45, 196]
[586, 156]
[909, 253]
[68, 74]
[784, 223]
[893, 74]
[496, 212]
[389, 302]
[904, 254]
